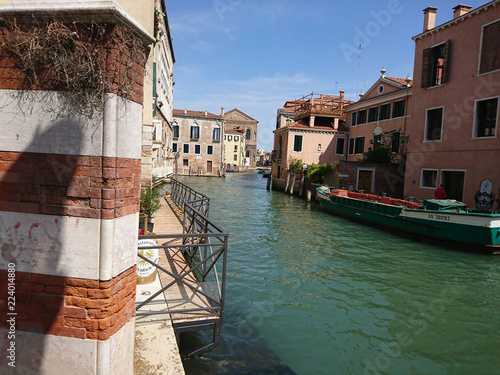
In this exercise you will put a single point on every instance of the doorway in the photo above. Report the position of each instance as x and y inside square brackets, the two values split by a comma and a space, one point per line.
[209, 166]
[365, 180]
[453, 182]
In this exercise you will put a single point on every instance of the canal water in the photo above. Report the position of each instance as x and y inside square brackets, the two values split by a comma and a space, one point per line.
[311, 293]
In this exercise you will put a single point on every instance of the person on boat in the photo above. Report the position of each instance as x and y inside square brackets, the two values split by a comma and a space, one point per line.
[440, 193]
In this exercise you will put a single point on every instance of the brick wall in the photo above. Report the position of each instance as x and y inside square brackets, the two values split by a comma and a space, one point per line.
[122, 58]
[65, 306]
[83, 186]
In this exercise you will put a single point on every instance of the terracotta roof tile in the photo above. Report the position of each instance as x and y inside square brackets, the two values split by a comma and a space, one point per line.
[399, 80]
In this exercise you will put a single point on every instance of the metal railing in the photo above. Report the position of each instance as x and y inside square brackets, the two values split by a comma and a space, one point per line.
[182, 193]
[203, 245]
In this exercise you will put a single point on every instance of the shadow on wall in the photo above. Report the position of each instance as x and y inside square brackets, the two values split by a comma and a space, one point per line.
[36, 239]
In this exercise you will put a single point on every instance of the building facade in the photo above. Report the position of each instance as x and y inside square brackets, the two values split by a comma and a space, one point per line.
[378, 123]
[453, 138]
[317, 135]
[197, 143]
[236, 119]
[234, 150]
[162, 156]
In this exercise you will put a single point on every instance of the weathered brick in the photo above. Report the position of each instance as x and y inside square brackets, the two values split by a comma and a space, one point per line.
[84, 283]
[68, 332]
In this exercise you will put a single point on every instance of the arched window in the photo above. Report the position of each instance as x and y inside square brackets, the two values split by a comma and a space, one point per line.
[248, 134]
[176, 130]
[247, 154]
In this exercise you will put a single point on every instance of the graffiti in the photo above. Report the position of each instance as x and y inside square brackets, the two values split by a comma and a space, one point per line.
[484, 197]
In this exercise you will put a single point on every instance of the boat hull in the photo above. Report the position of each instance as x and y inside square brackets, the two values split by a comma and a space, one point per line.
[468, 231]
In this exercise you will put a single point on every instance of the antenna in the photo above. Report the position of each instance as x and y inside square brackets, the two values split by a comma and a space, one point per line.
[359, 63]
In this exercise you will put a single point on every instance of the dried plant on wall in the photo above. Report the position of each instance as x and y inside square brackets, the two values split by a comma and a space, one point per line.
[83, 60]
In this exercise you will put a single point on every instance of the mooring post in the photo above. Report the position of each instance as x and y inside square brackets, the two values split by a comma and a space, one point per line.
[308, 195]
[268, 186]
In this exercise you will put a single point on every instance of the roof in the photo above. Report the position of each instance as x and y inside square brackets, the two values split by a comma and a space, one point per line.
[401, 81]
[233, 131]
[186, 112]
[458, 19]
[237, 111]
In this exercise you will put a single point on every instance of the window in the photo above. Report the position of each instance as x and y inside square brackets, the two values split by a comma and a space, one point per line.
[353, 118]
[185, 162]
[297, 143]
[197, 149]
[319, 146]
[396, 142]
[385, 112]
[486, 117]
[490, 45]
[235, 157]
[210, 150]
[216, 134]
[373, 114]
[339, 148]
[435, 65]
[362, 117]
[236, 138]
[359, 146]
[176, 131]
[195, 132]
[248, 134]
[288, 121]
[229, 137]
[433, 125]
[351, 146]
[224, 137]
[186, 148]
[377, 140]
[174, 147]
[235, 148]
[398, 109]
[429, 178]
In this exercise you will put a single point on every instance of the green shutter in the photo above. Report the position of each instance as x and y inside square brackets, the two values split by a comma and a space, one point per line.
[425, 67]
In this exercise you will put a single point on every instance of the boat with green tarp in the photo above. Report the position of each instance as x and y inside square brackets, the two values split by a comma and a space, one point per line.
[448, 221]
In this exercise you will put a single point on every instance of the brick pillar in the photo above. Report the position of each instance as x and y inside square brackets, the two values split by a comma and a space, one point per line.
[69, 201]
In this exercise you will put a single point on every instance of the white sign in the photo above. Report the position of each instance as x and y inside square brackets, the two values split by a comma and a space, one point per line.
[144, 268]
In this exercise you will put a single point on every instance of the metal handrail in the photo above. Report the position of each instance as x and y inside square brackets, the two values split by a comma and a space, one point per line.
[204, 246]
[182, 193]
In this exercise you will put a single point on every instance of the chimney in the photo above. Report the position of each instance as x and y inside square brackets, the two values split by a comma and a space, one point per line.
[460, 10]
[311, 121]
[429, 18]
[185, 111]
[336, 123]
[206, 114]
[222, 112]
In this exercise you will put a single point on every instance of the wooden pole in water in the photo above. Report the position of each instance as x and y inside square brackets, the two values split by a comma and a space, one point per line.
[268, 183]
[287, 181]
[308, 195]
[293, 184]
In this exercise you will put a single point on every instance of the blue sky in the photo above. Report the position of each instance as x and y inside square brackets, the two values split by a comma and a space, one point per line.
[256, 54]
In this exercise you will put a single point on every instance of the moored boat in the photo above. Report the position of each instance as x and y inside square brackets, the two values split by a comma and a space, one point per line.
[444, 220]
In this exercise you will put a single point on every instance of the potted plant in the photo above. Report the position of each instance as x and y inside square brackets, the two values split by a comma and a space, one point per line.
[149, 204]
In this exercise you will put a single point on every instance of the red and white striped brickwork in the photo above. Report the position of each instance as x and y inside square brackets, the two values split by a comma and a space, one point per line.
[69, 202]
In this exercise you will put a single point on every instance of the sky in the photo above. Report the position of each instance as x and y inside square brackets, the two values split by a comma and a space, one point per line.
[255, 55]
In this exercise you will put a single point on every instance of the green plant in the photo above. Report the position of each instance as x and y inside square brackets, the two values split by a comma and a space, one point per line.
[379, 154]
[316, 173]
[295, 164]
[150, 202]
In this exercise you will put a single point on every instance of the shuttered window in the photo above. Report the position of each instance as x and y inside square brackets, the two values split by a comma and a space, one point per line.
[490, 54]
[435, 64]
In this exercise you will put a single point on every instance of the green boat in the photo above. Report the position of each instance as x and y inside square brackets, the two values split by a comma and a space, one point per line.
[447, 221]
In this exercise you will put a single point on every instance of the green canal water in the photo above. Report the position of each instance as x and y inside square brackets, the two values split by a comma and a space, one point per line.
[311, 293]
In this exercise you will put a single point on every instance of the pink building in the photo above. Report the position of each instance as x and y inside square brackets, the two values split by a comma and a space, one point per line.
[316, 136]
[453, 138]
[379, 119]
